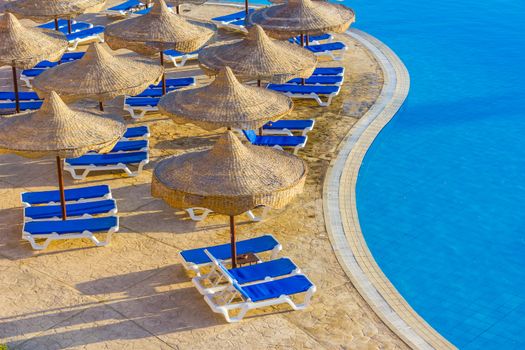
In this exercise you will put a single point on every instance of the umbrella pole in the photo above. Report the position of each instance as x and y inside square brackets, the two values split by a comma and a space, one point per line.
[307, 40]
[302, 40]
[178, 9]
[246, 9]
[233, 240]
[259, 82]
[56, 24]
[163, 74]
[69, 26]
[100, 106]
[61, 187]
[15, 84]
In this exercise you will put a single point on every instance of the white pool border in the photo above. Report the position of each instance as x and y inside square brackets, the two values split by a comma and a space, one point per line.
[340, 211]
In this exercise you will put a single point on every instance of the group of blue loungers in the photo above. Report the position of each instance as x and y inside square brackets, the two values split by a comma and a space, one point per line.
[232, 292]
[126, 8]
[81, 32]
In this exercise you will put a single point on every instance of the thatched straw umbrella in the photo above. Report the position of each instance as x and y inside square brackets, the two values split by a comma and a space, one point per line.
[42, 11]
[225, 103]
[22, 47]
[230, 179]
[99, 75]
[55, 130]
[303, 17]
[157, 31]
[178, 3]
[259, 57]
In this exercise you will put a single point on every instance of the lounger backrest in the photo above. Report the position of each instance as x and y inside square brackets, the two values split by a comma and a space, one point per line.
[250, 135]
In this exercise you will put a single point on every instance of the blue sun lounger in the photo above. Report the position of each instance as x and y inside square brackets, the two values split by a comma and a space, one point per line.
[333, 50]
[51, 25]
[258, 295]
[130, 146]
[138, 106]
[10, 107]
[213, 281]
[319, 80]
[313, 39]
[288, 127]
[69, 229]
[27, 75]
[77, 27]
[232, 17]
[329, 71]
[22, 95]
[82, 209]
[106, 162]
[136, 132]
[179, 59]
[197, 259]
[314, 92]
[72, 195]
[276, 141]
[125, 9]
[84, 36]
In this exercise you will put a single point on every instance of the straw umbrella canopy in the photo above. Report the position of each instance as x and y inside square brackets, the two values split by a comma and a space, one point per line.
[230, 179]
[56, 130]
[157, 31]
[42, 11]
[259, 57]
[22, 47]
[99, 75]
[303, 17]
[225, 103]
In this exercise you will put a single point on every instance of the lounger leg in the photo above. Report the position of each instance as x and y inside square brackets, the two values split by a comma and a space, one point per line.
[259, 218]
[195, 217]
[37, 246]
[104, 243]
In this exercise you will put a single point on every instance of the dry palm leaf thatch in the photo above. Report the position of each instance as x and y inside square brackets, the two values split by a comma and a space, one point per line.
[303, 17]
[230, 178]
[159, 30]
[39, 10]
[57, 130]
[99, 75]
[259, 57]
[225, 103]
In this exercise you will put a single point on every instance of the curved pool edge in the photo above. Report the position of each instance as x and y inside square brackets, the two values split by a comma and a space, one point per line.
[340, 211]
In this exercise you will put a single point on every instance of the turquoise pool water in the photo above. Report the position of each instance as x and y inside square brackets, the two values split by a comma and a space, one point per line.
[441, 192]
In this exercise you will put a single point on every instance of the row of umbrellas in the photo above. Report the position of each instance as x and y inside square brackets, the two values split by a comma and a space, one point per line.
[231, 178]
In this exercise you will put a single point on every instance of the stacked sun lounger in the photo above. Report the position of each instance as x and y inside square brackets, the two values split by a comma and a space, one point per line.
[332, 50]
[232, 292]
[90, 211]
[27, 75]
[125, 9]
[130, 155]
[289, 127]
[276, 141]
[28, 101]
[234, 20]
[81, 32]
[147, 101]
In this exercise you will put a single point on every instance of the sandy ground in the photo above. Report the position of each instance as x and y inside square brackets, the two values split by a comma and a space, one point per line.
[134, 294]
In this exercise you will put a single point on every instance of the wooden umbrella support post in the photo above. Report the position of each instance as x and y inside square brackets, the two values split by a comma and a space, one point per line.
[69, 26]
[246, 9]
[233, 240]
[15, 84]
[101, 106]
[163, 74]
[56, 24]
[61, 188]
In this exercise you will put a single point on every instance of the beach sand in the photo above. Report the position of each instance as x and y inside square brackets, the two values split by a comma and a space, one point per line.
[135, 294]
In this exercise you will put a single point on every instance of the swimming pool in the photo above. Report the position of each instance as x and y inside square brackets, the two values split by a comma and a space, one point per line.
[441, 192]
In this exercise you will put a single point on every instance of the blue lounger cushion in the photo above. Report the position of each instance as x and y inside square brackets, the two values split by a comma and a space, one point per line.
[326, 47]
[175, 53]
[156, 92]
[75, 209]
[232, 16]
[71, 195]
[108, 159]
[76, 27]
[258, 272]
[175, 82]
[142, 101]
[67, 57]
[127, 146]
[51, 25]
[33, 72]
[311, 38]
[299, 124]
[137, 131]
[305, 89]
[240, 23]
[126, 6]
[319, 79]
[24, 106]
[22, 95]
[328, 71]
[274, 289]
[101, 224]
[85, 33]
[223, 252]
[283, 141]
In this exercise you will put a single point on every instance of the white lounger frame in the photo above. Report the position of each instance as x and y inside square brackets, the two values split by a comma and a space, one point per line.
[315, 97]
[143, 137]
[196, 268]
[141, 110]
[336, 55]
[180, 61]
[295, 148]
[227, 304]
[112, 212]
[288, 132]
[86, 169]
[79, 41]
[192, 212]
[55, 237]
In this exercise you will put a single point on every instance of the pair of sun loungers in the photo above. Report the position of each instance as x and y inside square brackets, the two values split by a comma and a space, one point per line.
[91, 210]
[27, 75]
[232, 292]
[233, 20]
[81, 32]
[125, 9]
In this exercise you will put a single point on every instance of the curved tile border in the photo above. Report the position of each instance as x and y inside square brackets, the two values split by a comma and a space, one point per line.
[341, 213]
